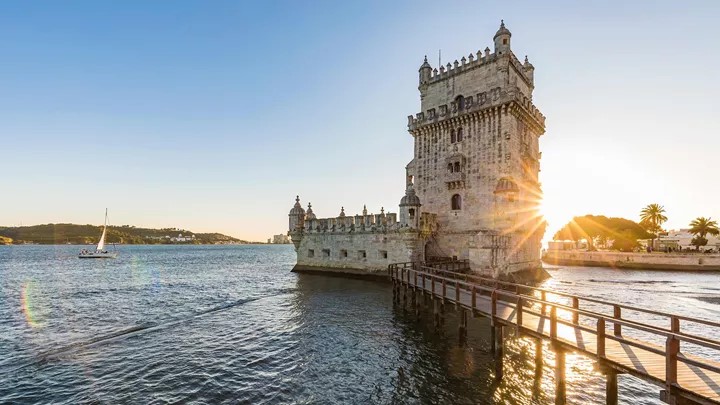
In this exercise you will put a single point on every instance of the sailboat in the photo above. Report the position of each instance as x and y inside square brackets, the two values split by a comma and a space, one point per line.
[100, 252]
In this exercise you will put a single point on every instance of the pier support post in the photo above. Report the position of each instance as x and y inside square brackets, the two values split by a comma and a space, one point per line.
[560, 398]
[404, 296]
[415, 304]
[498, 352]
[539, 363]
[436, 313]
[462, 328]
[611, 387]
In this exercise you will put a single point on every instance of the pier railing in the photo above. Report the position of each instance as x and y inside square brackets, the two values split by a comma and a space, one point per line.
[528, 308]
[574, 310]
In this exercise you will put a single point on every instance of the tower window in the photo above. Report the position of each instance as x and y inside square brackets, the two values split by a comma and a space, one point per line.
[450, 167]
[343, 253]
[504, 41]
[382, 254]
[457, 167]
[459, 134]
[452, 137]
[311, 253]
[411, 211]
[460, 102]
[456, 202]
[326, 252]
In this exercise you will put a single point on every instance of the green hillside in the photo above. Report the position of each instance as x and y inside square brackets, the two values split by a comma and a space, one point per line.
[86, 234]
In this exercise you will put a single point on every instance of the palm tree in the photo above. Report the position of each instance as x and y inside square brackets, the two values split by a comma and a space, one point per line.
[652, 218]
[700, 227]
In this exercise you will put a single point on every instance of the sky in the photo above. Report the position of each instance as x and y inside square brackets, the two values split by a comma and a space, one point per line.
[212, 116]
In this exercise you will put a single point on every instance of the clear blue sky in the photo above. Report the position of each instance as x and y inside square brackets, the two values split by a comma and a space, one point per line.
[213, 115]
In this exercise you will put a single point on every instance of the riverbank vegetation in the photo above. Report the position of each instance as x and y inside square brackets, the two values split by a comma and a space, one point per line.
[49, 234]
[606, 232]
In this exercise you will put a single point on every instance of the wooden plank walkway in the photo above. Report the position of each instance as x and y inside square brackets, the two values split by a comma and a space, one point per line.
[684, 378]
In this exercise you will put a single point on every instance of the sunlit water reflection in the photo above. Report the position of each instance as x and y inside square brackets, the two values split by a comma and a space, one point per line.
[231, 324]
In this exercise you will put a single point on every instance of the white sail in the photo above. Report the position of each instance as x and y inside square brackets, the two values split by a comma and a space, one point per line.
[101, 244]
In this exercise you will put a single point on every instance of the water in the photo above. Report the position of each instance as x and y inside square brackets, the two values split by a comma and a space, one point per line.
[231, 324]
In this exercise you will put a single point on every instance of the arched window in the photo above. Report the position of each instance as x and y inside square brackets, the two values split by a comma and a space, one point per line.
[459, 134]
[452, 137]
[457, 167]
[450, 167]
[411, 211]
[456, 202]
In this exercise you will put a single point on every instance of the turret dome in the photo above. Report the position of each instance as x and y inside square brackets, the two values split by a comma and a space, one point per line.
[309, 214]
[425, 64]
[410, 198]
[502, 30]
[297, 208]
[506, 185]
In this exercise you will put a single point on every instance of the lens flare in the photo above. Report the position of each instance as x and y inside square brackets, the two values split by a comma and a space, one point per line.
[26, 303]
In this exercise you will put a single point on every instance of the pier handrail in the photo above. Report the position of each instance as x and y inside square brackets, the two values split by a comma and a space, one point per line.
[673, 336]
[654, 329]
[587, 299]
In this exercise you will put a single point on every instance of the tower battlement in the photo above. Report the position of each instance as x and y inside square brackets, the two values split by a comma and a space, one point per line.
[481, 103]
[472, 62]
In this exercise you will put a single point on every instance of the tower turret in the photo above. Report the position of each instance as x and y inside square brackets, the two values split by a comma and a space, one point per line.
[529, 70]
[410, 209]
[502, 40]
[425, 72]
[296, 216]
[309, 214]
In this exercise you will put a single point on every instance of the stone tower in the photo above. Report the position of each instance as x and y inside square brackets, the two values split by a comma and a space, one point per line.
[477, 158]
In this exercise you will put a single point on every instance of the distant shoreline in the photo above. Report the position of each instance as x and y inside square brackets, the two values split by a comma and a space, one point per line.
[63, 234]
[144, 244]
[634, 261]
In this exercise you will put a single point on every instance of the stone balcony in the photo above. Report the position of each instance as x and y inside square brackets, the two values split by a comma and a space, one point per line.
[455, 180]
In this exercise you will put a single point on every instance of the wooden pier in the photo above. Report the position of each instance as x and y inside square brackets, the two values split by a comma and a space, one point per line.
[575, 324]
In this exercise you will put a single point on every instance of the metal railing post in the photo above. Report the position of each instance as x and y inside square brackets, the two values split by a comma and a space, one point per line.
[617, 314]
[493, 304]
[601, 338]
[519, 312]
[672, 348]
[575, 314]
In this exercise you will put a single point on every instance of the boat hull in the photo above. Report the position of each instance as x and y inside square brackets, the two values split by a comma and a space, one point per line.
[98, 256]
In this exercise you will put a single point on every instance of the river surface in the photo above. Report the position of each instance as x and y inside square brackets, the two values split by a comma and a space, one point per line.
[232, 324]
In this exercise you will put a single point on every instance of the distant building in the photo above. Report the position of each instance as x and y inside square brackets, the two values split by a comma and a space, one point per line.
[280, 239]
[681, 239]
[182, 239]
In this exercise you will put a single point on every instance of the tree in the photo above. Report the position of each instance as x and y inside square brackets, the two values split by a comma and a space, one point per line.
[701, 227]
[625, 241]
[623, 232]
[651, 218]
